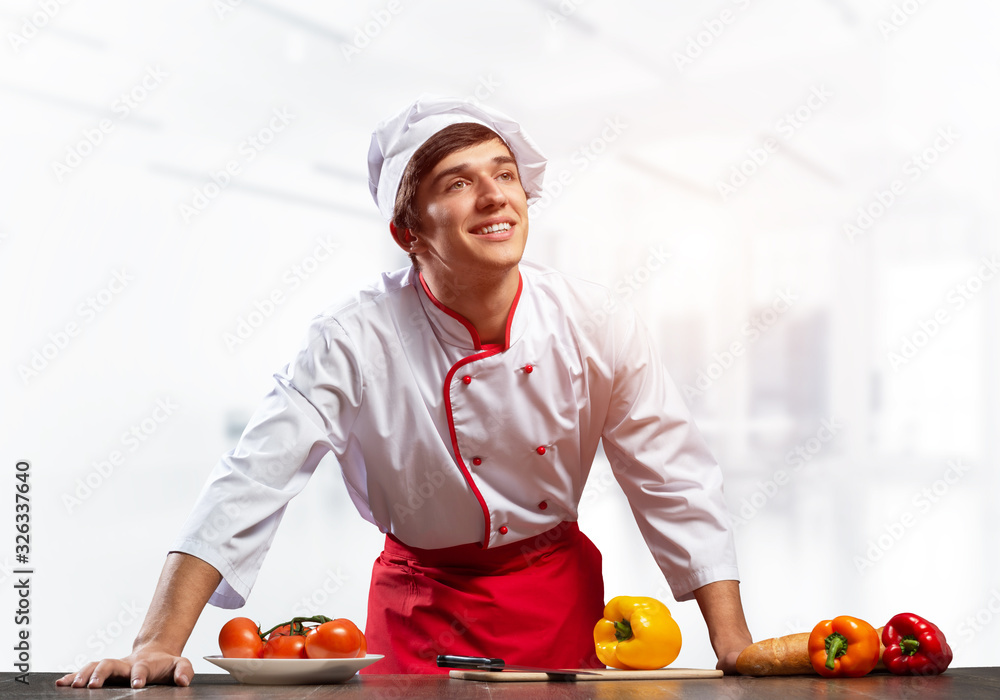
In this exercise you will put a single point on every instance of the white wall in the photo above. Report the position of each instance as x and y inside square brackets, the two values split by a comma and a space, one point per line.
[644, 108]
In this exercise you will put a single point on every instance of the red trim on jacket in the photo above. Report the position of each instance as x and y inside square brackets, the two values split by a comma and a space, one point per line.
[489, 351]
[454, 438]
[510, 316]
[454, 314]
[476, 342]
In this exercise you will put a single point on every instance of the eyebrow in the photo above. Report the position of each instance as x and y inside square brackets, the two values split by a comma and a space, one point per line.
[497, 160]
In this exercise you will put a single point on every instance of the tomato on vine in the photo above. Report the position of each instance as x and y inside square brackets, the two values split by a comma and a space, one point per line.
[337, 639]
[285, 646]
[316, 637]
[240, 639]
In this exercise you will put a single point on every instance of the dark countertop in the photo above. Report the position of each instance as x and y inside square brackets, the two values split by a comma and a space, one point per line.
[958, 683]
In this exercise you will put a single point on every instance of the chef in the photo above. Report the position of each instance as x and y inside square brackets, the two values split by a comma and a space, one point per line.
[464, 399]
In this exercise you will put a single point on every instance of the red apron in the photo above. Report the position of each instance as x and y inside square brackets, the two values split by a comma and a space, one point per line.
[532, 602]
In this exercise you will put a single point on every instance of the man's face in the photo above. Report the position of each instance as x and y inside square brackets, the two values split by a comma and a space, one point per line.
[473, 215]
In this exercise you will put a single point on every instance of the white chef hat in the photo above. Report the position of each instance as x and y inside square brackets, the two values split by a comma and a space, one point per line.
[396, 139]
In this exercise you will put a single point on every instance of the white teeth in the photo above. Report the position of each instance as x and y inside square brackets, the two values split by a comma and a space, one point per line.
[493, 229]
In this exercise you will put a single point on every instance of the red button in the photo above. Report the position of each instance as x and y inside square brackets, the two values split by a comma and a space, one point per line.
[543, 505]
[541, 450]
[467, 379]
[529, 369]
[476, 461]
[503, 529]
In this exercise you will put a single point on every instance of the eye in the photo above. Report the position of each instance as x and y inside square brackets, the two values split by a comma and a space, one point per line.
[506, 176]
[457, 185]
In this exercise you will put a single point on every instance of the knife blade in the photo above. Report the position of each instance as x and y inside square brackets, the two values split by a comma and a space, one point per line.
[482, 663]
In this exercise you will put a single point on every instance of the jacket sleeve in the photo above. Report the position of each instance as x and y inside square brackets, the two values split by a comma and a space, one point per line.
[672, 482]
[306, 415]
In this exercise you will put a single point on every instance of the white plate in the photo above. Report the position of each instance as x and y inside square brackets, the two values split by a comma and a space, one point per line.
[293, 671]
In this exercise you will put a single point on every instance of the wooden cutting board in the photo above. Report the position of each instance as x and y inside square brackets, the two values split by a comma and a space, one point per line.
[611, 674]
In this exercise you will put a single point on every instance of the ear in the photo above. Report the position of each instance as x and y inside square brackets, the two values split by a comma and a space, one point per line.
[405, 239]
[401, 236]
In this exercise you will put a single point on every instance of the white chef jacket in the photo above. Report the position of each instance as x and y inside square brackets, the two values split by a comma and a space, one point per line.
[443, 441]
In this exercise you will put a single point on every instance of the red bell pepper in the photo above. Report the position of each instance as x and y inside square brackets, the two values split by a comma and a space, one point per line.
[914, 646]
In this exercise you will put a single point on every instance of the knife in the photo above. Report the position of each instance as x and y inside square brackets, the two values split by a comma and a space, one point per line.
[481, 663]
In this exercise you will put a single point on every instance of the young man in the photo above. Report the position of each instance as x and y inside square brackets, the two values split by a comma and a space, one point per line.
[488, 381]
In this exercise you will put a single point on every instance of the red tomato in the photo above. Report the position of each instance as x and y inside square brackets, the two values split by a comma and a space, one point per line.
[337, 639]
[240, 639]
[284, 646]
[283, 630]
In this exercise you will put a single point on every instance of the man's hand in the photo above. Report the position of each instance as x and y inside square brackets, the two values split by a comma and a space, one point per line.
[140, 667]
[727, 662]
[185, 585]
[727, 627]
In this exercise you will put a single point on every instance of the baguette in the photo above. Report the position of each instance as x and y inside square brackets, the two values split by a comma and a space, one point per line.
[780, 656]
[785, 656]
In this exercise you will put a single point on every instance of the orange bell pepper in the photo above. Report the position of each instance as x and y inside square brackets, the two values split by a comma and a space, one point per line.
[843, 647]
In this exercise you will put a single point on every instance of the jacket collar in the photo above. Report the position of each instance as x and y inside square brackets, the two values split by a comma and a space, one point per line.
[455, 329]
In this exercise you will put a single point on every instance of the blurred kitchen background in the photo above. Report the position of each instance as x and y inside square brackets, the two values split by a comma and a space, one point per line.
[799, 197]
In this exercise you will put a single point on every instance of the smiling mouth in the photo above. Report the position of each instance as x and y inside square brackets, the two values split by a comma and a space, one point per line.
[495, 228]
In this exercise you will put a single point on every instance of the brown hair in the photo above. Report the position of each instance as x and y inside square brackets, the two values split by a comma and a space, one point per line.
[435, 149]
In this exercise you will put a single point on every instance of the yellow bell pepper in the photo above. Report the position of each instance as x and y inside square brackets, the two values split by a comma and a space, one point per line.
[637, 632]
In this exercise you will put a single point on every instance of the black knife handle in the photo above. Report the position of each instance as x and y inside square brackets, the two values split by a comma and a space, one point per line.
[478, 662]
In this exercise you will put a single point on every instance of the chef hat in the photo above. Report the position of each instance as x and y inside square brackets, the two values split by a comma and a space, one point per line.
[396, 139]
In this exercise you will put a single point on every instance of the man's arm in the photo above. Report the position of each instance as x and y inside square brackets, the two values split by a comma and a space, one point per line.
[184, 588]
[727, 627]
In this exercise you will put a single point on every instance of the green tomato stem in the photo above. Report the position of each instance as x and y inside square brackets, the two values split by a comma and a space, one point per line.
[297, 628]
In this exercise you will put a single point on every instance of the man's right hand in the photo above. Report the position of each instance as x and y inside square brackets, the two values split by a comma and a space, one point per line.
[140, 667]
[185, 585]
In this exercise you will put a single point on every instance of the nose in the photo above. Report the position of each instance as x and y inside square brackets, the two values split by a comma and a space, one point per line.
[491, 194]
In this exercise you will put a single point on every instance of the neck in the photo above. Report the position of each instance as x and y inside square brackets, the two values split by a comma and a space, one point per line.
[485, 303]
